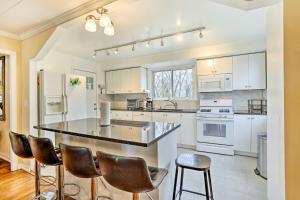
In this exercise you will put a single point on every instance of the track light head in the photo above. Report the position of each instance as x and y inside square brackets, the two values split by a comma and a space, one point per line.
[200, 34]
[148, 44]
[95, 54]
[107, 53]
[116, 51]
[162, 42]
[133, 47]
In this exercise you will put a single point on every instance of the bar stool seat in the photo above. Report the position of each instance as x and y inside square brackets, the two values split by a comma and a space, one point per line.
[193, 162]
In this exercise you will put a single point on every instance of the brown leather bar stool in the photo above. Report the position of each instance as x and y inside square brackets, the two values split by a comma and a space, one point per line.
[193, 162]
[20, 146]
[80, 162]
[130, 174]
[44, 152]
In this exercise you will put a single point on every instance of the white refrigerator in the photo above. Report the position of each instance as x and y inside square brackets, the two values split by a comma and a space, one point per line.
[61, 97]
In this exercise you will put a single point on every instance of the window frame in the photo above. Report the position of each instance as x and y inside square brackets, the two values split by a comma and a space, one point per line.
[172, 81]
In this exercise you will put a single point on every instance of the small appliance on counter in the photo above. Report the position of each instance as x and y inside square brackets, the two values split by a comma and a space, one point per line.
[261, 169]
[132, 104]
[149, 103]
[257, 106]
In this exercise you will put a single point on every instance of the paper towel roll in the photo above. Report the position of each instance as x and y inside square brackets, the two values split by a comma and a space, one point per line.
[105, 113]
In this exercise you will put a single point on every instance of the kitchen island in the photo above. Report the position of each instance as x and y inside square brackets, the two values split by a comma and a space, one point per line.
[153, 141]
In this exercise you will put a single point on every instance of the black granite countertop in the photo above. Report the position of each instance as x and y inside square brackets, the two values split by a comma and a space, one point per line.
[125, 132]
[159, 110]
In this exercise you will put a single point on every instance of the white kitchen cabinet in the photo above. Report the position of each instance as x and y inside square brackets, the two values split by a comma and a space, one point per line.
[240, 72]
[125, 81]
[246, 129]
[249, 72]
[188, 129]
[257, 71]
[214, 66]
[259, 125]
[142, 116]
[242, 133]
[121, 115]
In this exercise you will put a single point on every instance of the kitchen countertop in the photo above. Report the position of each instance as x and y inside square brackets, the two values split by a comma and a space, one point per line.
[126, 132]
[246, 112]
[158, 110]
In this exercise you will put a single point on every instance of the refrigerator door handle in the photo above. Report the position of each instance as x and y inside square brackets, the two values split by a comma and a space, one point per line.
[65, 104]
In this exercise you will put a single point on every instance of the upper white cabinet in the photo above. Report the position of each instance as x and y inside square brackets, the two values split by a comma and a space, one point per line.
[249, 72]
[132, 80]
[246, 130]
[214, 66]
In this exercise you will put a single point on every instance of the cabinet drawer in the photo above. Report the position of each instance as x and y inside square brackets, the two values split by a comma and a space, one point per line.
[121, 115]
[142, 116]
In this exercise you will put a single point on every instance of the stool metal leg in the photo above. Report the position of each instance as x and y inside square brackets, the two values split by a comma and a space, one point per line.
[37, 179]
[59, 182]
[206, 185]
[210, 185]
[175, 184]
[181, 182]
[94, 188]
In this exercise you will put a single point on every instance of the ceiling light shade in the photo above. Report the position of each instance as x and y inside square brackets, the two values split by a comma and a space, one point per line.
[90, 24]
[104, 20]
[109, 30]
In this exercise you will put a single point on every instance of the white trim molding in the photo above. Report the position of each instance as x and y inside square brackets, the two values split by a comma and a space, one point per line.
[9, 35]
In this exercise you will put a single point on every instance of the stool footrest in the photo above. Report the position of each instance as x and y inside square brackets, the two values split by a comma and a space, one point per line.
[193, 192]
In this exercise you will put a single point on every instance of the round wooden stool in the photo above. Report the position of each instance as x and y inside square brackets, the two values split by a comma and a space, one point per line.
[197, 163]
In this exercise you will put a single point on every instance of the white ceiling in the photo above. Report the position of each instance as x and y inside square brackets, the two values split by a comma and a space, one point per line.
[246, 4]
[139, 19]
[18, 16]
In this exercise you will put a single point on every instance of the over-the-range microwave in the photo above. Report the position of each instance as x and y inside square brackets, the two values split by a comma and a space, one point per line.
[215, 83]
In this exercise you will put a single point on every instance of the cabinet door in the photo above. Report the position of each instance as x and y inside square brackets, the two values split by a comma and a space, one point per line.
[240, 72]
[242, 133]
[223, 65]
[257, 71]
[116, 82]
[126, 81]
[188, 129]
[142, 116]
[158, 117]
[259, 125]
[205, 67]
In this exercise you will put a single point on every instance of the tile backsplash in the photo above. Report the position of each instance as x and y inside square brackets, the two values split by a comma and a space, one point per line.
[240, 99]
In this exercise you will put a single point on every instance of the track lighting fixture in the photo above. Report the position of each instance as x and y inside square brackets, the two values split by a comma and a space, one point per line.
[162, 42]
[148, 44]
[200, 34]
[179, 36]
[116, 51]
[95, 54]
[104, 21]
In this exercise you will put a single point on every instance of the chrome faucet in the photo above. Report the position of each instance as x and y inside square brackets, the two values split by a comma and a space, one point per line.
[173, 102]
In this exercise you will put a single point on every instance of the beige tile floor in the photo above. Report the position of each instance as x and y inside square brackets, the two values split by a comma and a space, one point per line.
[233, 178]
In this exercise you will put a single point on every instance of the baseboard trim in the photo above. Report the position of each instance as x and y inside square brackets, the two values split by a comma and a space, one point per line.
[4, 157]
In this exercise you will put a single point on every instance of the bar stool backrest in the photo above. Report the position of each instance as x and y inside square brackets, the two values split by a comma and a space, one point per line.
[20, 145]
[79, 161]
[43, 151]
[125, 173]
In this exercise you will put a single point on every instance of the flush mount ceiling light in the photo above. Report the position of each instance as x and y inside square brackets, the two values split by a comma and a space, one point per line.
[151, 39]
[104, 21]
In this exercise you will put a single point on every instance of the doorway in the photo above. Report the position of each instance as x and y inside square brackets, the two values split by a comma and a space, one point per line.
[91, 88]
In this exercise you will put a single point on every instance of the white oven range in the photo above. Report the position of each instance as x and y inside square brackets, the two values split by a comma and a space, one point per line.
[215, 126]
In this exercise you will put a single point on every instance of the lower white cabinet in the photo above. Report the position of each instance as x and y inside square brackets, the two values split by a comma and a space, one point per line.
[246, 129]
[142, 116]
[121, 115]
[188, 129]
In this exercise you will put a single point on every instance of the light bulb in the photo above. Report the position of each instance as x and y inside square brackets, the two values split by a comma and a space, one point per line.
[179, 37]
[90, 24]
[109, 30]
[148, 44]
[104, 20]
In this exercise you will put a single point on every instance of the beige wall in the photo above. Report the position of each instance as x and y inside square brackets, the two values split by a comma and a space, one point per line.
[25, 50]
[12, 45]
[292, 97]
